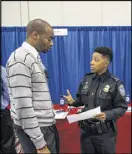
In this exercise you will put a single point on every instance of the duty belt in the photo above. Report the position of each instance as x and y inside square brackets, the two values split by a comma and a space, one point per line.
[97, 127]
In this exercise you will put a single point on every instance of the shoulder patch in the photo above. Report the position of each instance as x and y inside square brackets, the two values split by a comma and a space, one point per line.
[121, 90]
[114, 77]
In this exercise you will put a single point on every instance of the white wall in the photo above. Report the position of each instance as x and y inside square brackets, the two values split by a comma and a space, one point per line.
[64, 13]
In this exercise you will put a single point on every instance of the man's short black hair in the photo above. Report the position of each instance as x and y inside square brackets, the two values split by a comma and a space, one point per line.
[37, 25]
[105, 51]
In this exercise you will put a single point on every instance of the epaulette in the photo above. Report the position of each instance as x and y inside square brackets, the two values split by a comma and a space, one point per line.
[114, 77]
[89, 73]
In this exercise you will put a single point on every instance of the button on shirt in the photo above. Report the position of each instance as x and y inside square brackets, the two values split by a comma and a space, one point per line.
[95, 87]
[106, 91]
[92, 100]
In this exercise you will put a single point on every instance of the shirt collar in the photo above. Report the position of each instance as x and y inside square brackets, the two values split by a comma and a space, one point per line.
[103, 76]
[31, 49]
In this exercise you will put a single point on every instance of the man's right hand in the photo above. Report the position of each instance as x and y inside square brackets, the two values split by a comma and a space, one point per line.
[44, 150]
[69, 98]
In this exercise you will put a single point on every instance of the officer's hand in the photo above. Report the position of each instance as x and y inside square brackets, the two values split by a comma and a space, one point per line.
[101, 116]
[69, 98]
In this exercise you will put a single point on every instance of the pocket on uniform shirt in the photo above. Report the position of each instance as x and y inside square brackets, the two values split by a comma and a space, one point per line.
[105, 100]
[105, 95]
[84, 92]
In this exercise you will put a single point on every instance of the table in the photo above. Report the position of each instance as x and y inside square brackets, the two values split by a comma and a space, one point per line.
[70, 134]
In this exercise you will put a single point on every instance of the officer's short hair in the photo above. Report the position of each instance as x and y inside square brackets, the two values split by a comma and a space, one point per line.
[105, 51]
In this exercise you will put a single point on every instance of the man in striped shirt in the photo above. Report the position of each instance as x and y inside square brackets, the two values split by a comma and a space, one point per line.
[31, 105]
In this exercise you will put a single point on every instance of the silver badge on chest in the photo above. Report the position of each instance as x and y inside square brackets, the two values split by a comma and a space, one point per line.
[106, 88]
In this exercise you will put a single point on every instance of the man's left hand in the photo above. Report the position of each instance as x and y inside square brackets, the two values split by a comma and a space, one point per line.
[101, 116]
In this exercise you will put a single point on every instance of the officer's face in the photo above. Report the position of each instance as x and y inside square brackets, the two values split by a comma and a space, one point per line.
[99, 63]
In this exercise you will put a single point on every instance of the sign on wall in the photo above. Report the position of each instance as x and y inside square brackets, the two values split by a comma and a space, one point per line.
[60, 32]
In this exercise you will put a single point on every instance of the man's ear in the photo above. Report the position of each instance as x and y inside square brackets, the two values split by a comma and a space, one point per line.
[35, 35]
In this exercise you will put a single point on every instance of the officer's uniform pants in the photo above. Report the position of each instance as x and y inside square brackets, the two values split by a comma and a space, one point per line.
[51, 137]
[98, 144]
[7, 136]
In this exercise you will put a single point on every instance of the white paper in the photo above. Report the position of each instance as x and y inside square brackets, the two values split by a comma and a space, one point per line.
[84, 115]
[60, 114]
[60, 32]
[129, 109]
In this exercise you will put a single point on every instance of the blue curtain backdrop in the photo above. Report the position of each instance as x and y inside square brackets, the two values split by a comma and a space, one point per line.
[69, 59]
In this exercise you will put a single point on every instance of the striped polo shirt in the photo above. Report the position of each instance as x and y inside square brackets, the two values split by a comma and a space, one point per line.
[31, 105]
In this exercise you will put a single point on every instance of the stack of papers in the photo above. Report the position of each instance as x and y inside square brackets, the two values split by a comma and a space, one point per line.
[60, 114]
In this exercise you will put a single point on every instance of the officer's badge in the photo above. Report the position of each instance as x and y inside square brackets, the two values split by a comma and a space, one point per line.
[106, 88]
[121, 90]
[85, 86]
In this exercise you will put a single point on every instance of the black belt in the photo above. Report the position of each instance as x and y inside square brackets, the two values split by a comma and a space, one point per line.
[96, 127]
